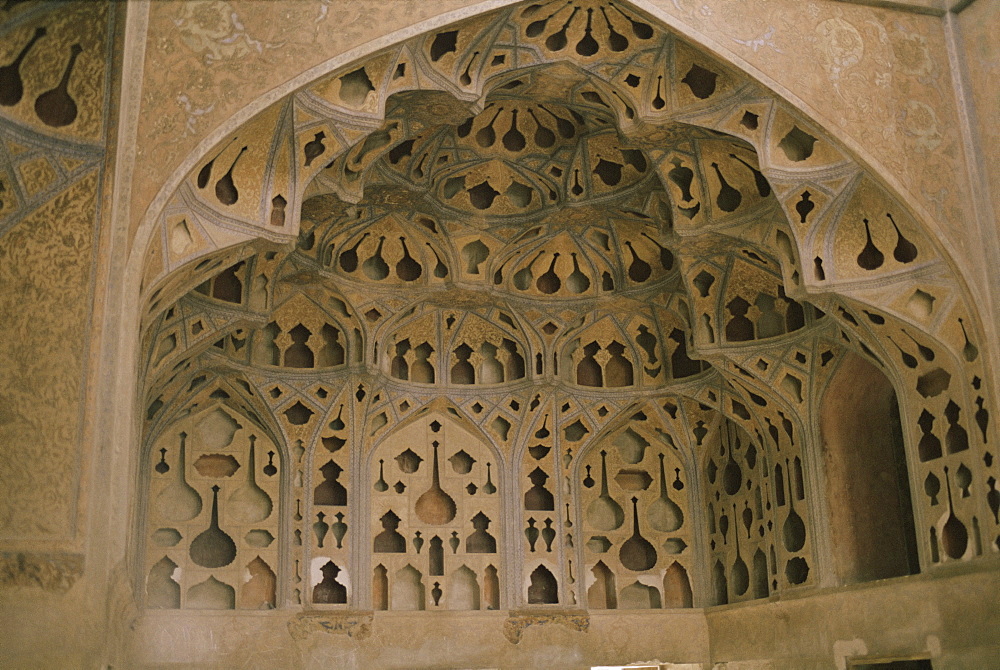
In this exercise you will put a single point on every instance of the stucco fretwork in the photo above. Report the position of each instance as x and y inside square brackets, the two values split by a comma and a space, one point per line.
[539, 309]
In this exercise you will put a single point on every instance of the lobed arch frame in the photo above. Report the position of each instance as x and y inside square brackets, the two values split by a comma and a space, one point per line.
[844, 301]
[502, 479]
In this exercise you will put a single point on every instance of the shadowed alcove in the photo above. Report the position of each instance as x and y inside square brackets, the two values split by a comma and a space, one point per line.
[868, 486]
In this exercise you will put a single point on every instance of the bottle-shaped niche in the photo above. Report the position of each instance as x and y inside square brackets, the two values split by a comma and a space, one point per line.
[375, 268]
[339, 529]
[531, 533]
[577, 282]
[603, 512]
[794, 530]
[954, 535]
[664, 515]
[249, 503]
[522, 278]
[179, 501]
[740, 574]
[11, 84]
[549, 282]
[870, 257]
[57, 107]
[637, 553]
[213, 548]
[349, 257]
[638, 270]
[732, 475]
[435, 506]
[407, 268]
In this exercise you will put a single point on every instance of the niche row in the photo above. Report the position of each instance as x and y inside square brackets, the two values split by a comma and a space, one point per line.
[486, 363]
[328, 524]
[758, 540]
[482, 349]
[871, 257]
[545, 534]
[561, 267]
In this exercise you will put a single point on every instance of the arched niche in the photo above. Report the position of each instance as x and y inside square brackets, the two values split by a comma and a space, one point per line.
[636, 520]
[867, 484]
[212, 522]
[772, 147]
[436, 516]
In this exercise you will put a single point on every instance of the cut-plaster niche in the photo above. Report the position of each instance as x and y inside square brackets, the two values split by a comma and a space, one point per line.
[472, 251]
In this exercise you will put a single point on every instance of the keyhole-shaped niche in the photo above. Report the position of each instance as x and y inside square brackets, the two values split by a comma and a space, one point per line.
[636, 529]
[212, 519]
[435, 517]
[302, 335]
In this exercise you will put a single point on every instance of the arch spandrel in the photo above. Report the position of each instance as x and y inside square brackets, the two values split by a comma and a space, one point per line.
[485, 183]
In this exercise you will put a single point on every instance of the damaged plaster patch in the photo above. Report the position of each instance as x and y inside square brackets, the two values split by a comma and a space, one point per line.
[933, 645]
[844, 649]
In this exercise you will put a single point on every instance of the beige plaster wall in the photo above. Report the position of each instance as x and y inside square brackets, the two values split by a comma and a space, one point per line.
[51, 629]
[950, 619]
[980, 55]
[45, 272]
[410, 640]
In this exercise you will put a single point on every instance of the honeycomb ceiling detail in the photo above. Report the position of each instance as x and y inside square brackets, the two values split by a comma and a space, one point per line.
[499, 296]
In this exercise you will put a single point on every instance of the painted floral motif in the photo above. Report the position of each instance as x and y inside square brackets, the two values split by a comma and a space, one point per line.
[912, 55]
[213, 29]
[841, 46]
[920, 122]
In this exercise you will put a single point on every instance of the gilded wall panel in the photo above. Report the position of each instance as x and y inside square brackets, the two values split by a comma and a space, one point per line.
[982, 61]
[53, 118]
[45, 270]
